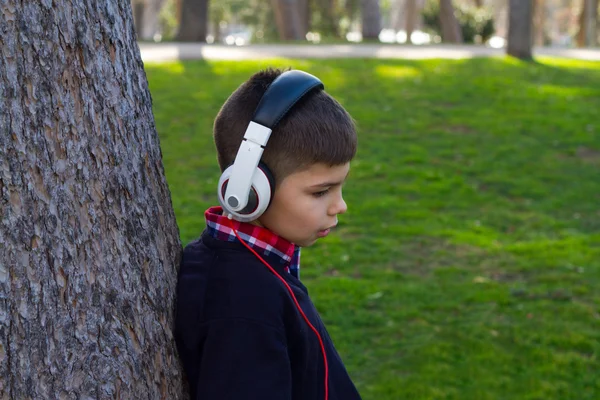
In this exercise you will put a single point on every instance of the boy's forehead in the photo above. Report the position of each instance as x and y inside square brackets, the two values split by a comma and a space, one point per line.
[320, 173]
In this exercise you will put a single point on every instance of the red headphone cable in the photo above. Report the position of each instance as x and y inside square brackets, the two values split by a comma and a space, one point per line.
[295, 301]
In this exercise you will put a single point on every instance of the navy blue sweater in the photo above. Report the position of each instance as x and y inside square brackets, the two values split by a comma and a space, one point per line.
[239, 334]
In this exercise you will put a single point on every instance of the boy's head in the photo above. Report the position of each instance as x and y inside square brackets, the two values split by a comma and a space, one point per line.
[311, 146]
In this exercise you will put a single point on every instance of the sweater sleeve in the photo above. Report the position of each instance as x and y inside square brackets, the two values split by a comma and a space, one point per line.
[243, 359]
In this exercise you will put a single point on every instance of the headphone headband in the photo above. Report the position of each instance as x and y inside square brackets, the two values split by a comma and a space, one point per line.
[283, 93]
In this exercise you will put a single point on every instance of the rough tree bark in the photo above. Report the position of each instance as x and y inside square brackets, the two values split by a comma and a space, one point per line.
[287, 18]
[194, 21]
[451, 32]
[88, 240]
[520, 21]
[371, 19]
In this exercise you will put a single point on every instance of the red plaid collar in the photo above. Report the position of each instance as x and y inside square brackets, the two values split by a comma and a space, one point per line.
[260, 239]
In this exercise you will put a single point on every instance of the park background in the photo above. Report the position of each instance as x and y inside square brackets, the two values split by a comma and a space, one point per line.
[468, 264]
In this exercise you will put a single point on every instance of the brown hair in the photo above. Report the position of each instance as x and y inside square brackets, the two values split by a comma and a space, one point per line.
[316, 130]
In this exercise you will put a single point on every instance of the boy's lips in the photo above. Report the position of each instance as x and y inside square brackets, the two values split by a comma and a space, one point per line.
[325, 232]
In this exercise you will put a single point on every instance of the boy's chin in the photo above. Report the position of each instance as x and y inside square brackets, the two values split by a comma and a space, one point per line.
[306, 243]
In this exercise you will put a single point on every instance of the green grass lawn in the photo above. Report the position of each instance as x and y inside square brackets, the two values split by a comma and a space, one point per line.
[468, 264]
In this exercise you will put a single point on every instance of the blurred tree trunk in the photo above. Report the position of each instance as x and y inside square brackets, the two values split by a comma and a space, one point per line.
[151, 23]
[217, 14]
[371, 19]
[397, 13]
[588, 21]
[411, 18]
[138, 17]
[520, 21]
[478, 3]
[539, 31]
[304, 14]
[500, 13]
[178, 7]
[287, 18]
[146, 17]
[194, 21]
[89, 246]
[451, 32]
[591, 28]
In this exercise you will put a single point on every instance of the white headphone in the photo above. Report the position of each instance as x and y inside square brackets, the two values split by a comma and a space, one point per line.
[246, 187]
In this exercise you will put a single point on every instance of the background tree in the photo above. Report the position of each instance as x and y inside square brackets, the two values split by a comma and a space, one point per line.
[587, 34]
[146, 17]
[520, 23]
[371, 19]
[287, 18]
[411, 16]
[397, 14]
[88, 240]
[305, 16]
[539, 17]
[194, 21]
[451, 32]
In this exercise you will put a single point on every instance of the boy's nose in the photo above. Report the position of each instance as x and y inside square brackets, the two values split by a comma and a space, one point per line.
[339, 207]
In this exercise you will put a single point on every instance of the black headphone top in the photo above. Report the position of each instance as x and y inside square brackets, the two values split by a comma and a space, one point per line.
[282, 94]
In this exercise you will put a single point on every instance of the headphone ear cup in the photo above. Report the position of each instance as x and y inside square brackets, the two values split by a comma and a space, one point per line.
[259, 196]
[252, 202]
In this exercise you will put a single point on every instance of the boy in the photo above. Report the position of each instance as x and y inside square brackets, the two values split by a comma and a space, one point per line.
[245, 325]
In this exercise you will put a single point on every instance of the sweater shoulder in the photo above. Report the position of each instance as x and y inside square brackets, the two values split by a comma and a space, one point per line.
[226, 282]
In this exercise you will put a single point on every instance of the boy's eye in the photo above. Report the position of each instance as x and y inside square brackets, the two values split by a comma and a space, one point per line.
[321, 193]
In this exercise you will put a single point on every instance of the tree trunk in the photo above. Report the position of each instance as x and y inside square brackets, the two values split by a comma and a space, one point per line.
[151, 12]
[138, 17]
[500, 13]
[520, 29]
[411, 18]
[371, 19]
[178, 7]
[580, 36]
[397, 14]
[539, 22]
[591, 30]
[194, 21]
[287, 18]
[89, 246]
[451, 32]
[478, 3]
[588, 19]
[304, 14]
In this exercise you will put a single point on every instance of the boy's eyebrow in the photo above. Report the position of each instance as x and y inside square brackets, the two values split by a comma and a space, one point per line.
[325, 184]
